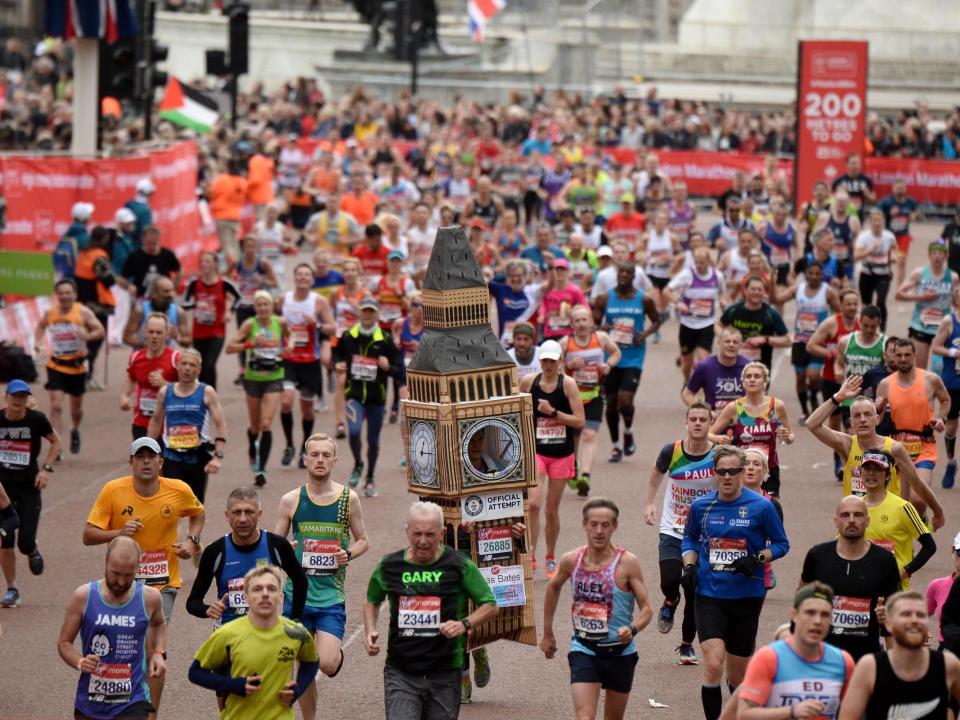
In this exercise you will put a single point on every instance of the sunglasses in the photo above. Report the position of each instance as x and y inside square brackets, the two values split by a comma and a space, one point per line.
[728, 472]
[413, 305]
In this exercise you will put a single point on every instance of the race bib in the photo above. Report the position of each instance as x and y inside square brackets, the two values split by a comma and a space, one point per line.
[851, 615]
[701, 307]
[154, 568]
[807, 322]
[556, 321]
[550, 431]
[147, 401]
[680, 512]
[495, 543]
[587, 376]
[320, 556]
[726, 551]
[779, 256]
[886, 545]
[268, 352]
[183, 437]
[418, 615]
[15, 452]
[363, 368]
[236, 597]
[205, 311]
[65, 339]
[111, 683]
[750, 352]
[931, 317]
[622, 331]
[389, 313]
[660, 260]
[911, 442]
[841, 251]
[590, 621]
[856, 483]
[300, 335]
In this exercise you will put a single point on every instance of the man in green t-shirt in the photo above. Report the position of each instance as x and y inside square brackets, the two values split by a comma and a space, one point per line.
[250, 661]
[427, 585]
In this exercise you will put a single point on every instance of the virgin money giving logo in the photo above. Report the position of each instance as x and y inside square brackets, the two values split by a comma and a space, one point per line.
[834, 64]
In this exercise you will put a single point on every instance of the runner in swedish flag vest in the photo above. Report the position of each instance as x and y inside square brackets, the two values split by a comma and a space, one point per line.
[323, 516]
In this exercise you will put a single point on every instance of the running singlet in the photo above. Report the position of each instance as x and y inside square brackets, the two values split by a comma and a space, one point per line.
[588, 376]
[859, 358]
[926, 698]
[736, 269]
[811, 311]
[64, 332]
[249, 280]
[553, 438]
[778, 246]
[659, 254]
[409, 341]
[345, 310]
[600, 608]
[951, 366]
[320, 531]
[263, 361]
[139, 369]
[186, 424]
[842, 243]
[391, 300]
[895, 525]
[235, 566]
[928, 314]
[301, 317]
[702, 298]
[757, 432]
[829, 372]
[173, 319]
[912, 417]
[625, 318]
[681, 221]
[778, 677]
[532, 367]
[688, 477]
[852, 484]
[117, 635]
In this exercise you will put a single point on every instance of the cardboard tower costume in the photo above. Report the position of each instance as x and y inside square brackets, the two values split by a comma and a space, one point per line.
[469, 433]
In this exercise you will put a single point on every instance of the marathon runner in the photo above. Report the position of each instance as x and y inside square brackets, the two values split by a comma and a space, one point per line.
[559, 298]
[514, 301]
[557, 414]
[729, 535]
[263, 336]
[394, 292]
[861, 573]
[844, 227]
[732, 262]
[123, 640]
[251, 274]
[148, 508]
[186, 411]
[812, 210]
[322, 515]
[930, 288]
[250, 662]
[427, 586]
[689, 464]
[659, 247]
[606, 279]
[821, 251]
[697, 293]
[760, 325]
[876, 248]
[310, 322]
[22, 430]
[228, 559]
[801, 672]
[947, 345]
[346, 312]
[622, 314]
[815, 301]
[862, 350]
[208, 300]
[589, 355]
[525, 351]
[778, 240]
[858, 186]
[607, 581]
[161, 299]
[910, 394]
[909, 680]
[718, 376]
[69, 326]
[148, 370]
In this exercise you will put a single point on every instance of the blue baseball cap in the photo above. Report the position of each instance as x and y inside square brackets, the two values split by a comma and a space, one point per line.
[18, 386]
[395, 255]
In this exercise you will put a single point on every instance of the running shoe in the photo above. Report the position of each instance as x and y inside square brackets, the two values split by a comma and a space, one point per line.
[95, 385]
[260, 480]
[355, 475]
[403, 461]
[656, 337]
[370, 489]
[466, 689]
[394, 416]
[341, 431]
[36, 562]
[616, 455]
[300, 463]
[583, 486]
[687, 655]
[629, 446]
[287, 458]
[11, 598]
[481, 667]
[573, 482]
[949, 475]
[551, 567]
[665, 617]
[238, 380]
[534, 565]
[74, 441]
[321, 405]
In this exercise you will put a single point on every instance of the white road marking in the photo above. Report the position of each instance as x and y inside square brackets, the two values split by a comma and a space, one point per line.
[119, 472]
[354, 636]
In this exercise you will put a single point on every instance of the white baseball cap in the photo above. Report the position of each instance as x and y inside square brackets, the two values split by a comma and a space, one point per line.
[124, 215]
[605, 251]
[81, 211]
[145, 186]
[956, 543]
[550, 350]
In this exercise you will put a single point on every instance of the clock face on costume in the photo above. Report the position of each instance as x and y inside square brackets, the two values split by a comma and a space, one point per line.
[423, 453]
[490, 449]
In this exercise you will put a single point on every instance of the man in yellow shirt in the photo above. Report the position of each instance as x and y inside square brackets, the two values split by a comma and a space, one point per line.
[148, 508]
[250, 660]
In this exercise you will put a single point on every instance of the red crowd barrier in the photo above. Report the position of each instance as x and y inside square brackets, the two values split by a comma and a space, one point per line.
[40, 192]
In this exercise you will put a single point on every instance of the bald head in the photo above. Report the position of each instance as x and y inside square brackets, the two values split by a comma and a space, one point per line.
[123, 549]
[851, 518]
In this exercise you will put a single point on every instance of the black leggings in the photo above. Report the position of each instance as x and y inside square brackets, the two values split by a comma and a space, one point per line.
[670, 572]
[26, 501]
[93, 346]
[209, 349]
[878, 285]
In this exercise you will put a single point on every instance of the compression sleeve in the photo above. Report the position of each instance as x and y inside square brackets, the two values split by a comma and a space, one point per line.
[9, 520]
[289, 565]
[306, 674]
[928, 547]
[205, 576]
[198, 675]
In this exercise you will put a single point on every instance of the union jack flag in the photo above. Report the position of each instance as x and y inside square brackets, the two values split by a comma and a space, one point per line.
[110, 20]
[481, 12]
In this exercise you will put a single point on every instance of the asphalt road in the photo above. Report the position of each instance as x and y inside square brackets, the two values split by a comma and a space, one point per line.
[35, 683]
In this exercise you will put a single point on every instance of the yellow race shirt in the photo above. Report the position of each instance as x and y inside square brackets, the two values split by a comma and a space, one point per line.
[240, 649]
[852, 485]
[118, 502]
[895, 526]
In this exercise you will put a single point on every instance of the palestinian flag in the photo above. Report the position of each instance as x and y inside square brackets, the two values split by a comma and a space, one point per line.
[184, 106]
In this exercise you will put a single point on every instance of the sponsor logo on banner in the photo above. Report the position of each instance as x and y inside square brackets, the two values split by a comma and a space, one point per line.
[492, 505]
[506, 582]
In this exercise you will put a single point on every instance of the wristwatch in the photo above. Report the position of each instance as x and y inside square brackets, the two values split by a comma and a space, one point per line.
[218, 454]
[349, 555]
[195, 539]
[47, 467]
[554, 413]
[466, 624]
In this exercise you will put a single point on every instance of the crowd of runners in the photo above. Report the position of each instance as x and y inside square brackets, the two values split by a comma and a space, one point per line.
[588, 264]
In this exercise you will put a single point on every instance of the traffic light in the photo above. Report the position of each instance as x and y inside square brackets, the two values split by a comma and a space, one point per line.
[151, 54]
[118, 69]
[239, 36]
